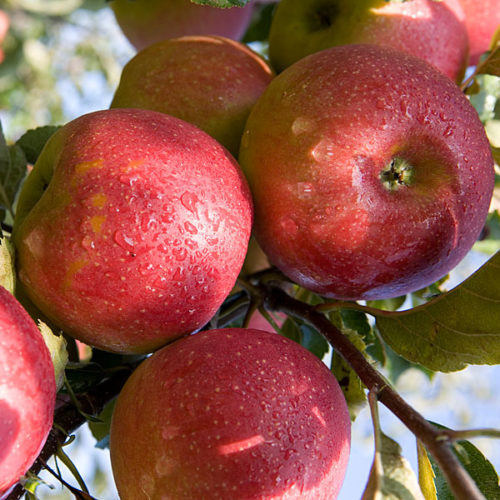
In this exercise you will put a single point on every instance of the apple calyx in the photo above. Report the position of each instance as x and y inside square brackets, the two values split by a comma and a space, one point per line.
[324, 16]
[399, 172]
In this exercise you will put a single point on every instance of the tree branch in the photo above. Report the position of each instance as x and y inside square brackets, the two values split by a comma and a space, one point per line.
[437, 442]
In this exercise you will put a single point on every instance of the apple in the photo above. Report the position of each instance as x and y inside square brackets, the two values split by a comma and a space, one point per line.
[230, 413]
[4, 27]
[27, 391]
[210, 81]
[131, 229]
[432, 30]
[144, 22]
[370, 170]
[481, 20]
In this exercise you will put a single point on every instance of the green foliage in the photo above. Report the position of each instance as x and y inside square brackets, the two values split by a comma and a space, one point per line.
[455, 329]
[476, 464]
[33, 141]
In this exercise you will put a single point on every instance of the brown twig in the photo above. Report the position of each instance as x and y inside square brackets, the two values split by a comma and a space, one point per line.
[437, 442]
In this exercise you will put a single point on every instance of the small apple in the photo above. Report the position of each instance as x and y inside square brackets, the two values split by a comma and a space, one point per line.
[144, 22]
[432, 30]
[27, 391]
[481, 20]
[370, 170]
[131, 229]
[4, 27]
[209, 81]
[231, 413]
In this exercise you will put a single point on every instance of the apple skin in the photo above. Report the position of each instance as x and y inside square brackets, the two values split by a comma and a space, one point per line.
[140, 233]
[481, 20]
[209, 81]
[144, 22]
[234, 413]
[434, 31]
[27, 391]
[314, 151]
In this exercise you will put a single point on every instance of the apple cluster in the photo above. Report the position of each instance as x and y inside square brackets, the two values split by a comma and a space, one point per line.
[351, 155]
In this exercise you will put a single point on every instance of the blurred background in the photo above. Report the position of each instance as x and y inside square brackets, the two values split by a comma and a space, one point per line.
[63, 58]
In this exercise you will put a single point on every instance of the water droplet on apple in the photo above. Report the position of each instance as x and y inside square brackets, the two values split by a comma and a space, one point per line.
[180, 253]
[189, 200]
[88, 243]
[190, 228]
[289, 226]
[305, 190]
[124, 241]
[448, 131]
[302, 125]
[323, 151]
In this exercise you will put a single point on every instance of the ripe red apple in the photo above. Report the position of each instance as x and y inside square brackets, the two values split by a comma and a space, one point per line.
[144, 22]
[27, 391]
[434, 31]
[234, 414]
[210, 81]
[370, 170]
[482, 20]
[131, 229]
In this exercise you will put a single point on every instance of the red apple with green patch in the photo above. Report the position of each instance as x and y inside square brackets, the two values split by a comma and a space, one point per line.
[27, 391]
[209, 81]
[131, 229]
[231, 413]
[370, 170]
[144, 22]
[432, 30]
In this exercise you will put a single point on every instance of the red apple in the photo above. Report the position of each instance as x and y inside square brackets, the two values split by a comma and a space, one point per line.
[147, 21]
[4, 27]
[482, 20]
[234, 414]
[432, 30]
[210, 81]
[27, 391]
[131, 229]
[370, 170]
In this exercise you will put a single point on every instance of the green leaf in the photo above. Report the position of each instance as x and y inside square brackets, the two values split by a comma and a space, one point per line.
[100, 430]
[426, 474]
[13, 167]
[457, 328]
[350, 383]
[490, 240]
[391, 476]
[477, 465]
[258, 31]
[7, 270]
[57, 348]
[222, 3]
[33, 141]
[491, 65]
[306, 336]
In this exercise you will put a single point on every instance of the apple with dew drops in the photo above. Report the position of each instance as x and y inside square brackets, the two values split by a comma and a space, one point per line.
[144, 22]
[371, 172]
[209, 81]
[27, 391]
[482, 19]
[434, 31]
[131, 229]
[231, 414]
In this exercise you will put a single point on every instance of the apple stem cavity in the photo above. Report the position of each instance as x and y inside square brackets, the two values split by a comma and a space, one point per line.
[399, 172]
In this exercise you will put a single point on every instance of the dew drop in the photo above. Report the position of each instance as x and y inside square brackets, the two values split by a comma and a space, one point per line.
[124, 241]
[189, 200]
[289, 226]
[180, 253]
